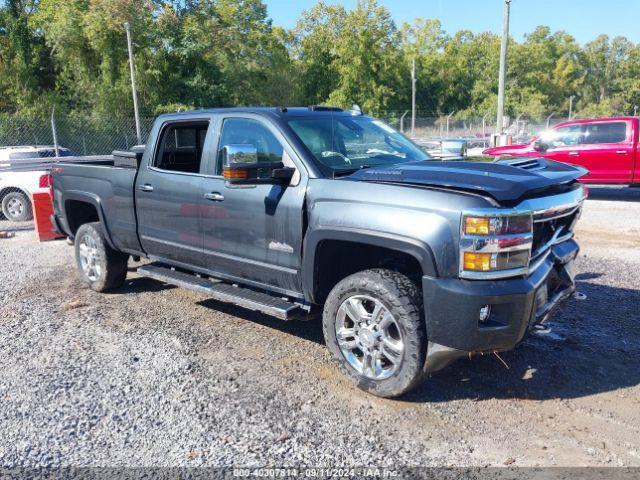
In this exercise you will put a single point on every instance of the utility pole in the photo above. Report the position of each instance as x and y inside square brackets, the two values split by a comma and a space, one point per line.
[571, 106]
[134, 92]
[503, 65]
[413, 98]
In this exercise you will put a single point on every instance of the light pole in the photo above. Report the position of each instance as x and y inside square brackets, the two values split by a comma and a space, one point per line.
[571, 106]
[503, 64]
[134, 92]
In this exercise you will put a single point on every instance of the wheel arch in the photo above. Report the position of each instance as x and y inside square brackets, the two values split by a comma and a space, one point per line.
[83, 207]
[321, 246]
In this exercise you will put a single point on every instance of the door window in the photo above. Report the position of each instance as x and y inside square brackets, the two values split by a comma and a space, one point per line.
[181, 147]
[245, 131]
[610, 132]
[567, 136]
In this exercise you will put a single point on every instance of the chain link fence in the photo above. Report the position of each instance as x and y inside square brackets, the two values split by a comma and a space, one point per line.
[100, 136]
[79, 135]
[437, 128]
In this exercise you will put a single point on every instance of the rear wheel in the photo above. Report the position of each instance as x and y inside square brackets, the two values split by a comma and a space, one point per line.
[374, 328]
[99, 266]
[16, 207]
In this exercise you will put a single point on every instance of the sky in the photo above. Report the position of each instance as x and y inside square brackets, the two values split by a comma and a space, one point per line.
[584, 19]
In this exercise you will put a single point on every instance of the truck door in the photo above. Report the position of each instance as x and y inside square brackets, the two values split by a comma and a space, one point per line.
[608, 152]
[167, 193]
[254, 232]
[563, 143]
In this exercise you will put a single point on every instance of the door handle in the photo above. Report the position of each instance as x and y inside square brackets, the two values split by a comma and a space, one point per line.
[214, 196]
[146, 188]
[574, 154]
[621, 152]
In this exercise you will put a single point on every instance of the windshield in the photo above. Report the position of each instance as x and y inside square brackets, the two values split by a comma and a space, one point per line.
[351, 143]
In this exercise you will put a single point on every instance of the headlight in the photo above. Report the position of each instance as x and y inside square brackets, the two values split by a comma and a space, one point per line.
[495, 246]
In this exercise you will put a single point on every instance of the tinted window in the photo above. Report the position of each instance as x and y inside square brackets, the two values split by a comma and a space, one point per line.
[244, 131]
[181, 147]
[611, 132]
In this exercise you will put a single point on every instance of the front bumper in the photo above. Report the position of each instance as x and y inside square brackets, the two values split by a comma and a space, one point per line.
[452, 308]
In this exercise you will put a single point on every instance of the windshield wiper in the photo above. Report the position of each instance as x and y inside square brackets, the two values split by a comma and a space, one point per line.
[348, 171]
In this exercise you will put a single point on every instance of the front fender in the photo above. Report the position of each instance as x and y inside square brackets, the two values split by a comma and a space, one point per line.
[417, 249]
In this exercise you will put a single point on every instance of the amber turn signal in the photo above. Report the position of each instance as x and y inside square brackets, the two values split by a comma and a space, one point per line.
[477, 262]
[229, 173]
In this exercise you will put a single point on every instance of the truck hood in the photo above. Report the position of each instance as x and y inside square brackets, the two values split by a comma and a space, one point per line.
[508, 182]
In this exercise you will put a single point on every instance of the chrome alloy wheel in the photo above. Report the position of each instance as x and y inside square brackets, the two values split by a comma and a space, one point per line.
[89, 257]
[369, 337]
[15, 207]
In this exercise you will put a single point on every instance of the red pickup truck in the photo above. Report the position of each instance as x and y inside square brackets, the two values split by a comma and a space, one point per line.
[607, 147]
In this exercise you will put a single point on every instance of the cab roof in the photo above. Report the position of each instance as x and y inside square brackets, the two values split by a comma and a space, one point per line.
[280, 112]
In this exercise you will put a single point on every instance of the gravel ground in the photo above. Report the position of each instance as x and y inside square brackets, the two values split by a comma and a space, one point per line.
[158, 376]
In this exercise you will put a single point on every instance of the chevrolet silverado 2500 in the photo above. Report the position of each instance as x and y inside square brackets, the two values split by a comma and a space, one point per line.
[415, 262]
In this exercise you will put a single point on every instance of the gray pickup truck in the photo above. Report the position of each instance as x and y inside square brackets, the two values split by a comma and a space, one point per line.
[416, 262]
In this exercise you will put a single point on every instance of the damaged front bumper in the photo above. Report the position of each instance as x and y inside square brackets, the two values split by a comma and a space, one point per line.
[455, 326]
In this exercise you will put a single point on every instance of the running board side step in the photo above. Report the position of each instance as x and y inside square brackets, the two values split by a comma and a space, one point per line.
[224, 292]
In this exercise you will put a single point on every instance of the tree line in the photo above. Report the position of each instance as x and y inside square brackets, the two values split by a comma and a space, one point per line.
[72, 55]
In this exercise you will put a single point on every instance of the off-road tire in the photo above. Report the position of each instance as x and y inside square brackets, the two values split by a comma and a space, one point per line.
[113, 264]
[10, 199]
[402, 298]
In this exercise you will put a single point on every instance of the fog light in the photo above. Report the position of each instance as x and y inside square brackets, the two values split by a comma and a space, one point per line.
[479, 262]
[485, 313]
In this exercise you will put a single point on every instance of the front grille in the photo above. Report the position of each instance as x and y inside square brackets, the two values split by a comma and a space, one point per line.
[550, 224]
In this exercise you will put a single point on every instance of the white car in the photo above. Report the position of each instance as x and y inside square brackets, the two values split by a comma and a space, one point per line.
[18, 183]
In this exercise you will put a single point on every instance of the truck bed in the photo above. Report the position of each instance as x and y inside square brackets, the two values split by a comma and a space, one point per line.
[111, 192]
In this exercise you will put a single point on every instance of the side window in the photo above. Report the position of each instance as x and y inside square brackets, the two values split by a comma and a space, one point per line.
[181, 147]
[610, 132]
[245, 131]
[566, 136]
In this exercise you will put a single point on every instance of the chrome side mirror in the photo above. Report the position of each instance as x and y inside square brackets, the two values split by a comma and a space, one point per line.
[240, 166]
[240, 155]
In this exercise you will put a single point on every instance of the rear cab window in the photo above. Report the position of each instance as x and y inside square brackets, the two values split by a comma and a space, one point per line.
[181, 146]
[605, 132]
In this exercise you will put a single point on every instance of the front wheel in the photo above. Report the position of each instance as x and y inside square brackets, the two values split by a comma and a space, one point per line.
[374, 328]
[101, 267]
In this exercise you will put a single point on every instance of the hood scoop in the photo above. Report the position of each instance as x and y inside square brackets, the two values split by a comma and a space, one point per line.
[505, 181]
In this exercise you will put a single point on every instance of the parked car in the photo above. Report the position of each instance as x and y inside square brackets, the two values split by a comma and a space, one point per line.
[606, 147]
[477, 146]
[414, 262]
[17, 185]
